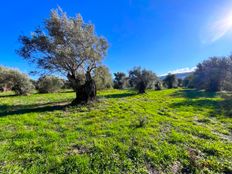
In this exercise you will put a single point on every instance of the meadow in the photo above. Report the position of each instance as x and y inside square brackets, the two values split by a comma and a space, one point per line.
[168, 131]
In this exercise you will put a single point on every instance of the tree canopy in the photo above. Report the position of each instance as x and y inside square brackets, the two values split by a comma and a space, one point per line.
[142, 79]
[49, 84]
[214, 74]
[120, 80]
[12, 79]
[103, 78]
[69, 46]
[171, 81]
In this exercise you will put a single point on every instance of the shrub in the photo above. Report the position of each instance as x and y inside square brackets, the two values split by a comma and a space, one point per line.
[49, 84]
[16, 81]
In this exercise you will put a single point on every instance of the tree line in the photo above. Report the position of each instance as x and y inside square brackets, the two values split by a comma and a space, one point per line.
[70, 47]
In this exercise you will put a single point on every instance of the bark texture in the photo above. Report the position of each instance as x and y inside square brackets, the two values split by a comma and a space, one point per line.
[86, 92]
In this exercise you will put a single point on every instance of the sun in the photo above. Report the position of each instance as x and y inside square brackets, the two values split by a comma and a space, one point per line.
[221, 27]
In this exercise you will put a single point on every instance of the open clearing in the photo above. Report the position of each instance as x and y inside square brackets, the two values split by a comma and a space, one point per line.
[170, 131]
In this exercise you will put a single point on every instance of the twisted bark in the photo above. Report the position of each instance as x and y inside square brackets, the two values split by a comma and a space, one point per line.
[86, 92]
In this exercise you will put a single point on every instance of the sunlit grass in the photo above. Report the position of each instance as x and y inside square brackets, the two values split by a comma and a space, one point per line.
[166, 131]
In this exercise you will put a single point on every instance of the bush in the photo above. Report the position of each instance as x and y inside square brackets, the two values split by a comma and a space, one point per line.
[22, 85]
[49, 84]
[11, 79]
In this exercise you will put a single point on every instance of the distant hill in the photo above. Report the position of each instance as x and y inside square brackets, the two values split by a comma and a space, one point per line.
[179, 75]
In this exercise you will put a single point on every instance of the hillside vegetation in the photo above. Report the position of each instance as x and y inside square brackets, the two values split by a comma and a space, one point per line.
[169, 131]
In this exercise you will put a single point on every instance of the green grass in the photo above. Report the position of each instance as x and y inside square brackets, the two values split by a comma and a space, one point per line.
[169, 131]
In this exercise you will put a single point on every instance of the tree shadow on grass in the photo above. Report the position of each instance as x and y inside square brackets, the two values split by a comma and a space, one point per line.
[67, 91]
[8, 110]
[225, 107]
[201, 99]
[6, 96]
[123, 95]
[197, 104]
[194, 94]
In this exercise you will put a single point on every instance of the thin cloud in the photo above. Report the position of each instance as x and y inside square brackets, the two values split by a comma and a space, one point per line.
[181, 70]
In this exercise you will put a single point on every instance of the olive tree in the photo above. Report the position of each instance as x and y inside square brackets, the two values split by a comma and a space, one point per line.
[180, 82]
[120, 80]
[49, 84]
[11, 79]
[69, 46]
[188, 82]
[102, 77]
[141, 79]
[171, 81]
[213, 74]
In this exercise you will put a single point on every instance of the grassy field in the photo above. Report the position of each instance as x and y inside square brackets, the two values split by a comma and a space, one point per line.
[169, 131]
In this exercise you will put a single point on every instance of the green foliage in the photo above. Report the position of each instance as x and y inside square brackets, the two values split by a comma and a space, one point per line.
[188, 82]
[171, 81]
[103, 78]
[179, 82]
[168, 131]
[49, 84]
[120, 80]
[16, 81]
[142, 79]
[69, 46]
[214, 74]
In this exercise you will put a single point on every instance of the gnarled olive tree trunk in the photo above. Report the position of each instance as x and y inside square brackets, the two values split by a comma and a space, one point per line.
[84, 92]
[141, 87]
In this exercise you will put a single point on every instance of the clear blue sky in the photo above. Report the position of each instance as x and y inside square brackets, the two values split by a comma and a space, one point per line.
[161, 35]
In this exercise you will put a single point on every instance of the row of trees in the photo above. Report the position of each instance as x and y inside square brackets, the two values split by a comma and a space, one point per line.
[21, 84]
[69, 46]
[214, 74]
[138, 78]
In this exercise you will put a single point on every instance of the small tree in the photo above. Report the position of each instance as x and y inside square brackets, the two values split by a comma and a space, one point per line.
[49, 84]
[120, 80]
[103, 78]
[16, 81]
[70, 46]
[171, 81]
[142, 79]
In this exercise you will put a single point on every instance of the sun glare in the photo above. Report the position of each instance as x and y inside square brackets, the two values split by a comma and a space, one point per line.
[221, 27]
